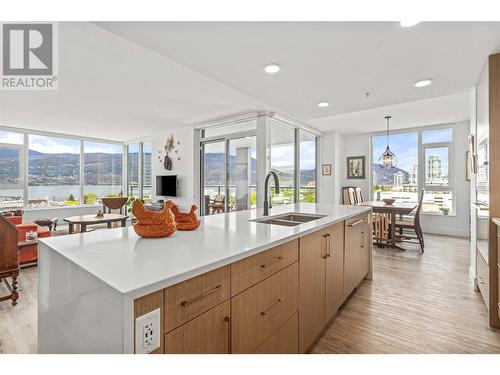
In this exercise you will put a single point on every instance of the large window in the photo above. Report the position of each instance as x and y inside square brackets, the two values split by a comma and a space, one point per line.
[103, 171]
[282, 151]
[307, 153]
[139, 170]
[53, 171]
[147, 150]
[11, 182]
[133, 168]
[423, 162]
[11, 188]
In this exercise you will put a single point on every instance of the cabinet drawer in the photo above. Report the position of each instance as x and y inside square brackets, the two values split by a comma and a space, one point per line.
[284, 341]
[261, 310]
[193, 297]
[206, 334]
[250, 271]
[483, 277]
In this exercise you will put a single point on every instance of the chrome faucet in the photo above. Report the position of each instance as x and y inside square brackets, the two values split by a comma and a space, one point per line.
[266, 184]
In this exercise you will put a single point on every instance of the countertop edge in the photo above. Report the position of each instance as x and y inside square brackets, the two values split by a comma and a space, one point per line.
[142, 291]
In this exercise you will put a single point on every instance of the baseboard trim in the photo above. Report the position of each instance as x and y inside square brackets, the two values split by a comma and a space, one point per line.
[449, 232]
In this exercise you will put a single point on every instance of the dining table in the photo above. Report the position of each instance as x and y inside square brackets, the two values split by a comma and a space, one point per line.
[392, 210]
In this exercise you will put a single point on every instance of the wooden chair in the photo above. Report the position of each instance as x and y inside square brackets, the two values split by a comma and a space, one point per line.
[349, 195]
[413, 225]
[9, 262]
[381, 228]
[359, 194]
[117, 203]
[217, 205]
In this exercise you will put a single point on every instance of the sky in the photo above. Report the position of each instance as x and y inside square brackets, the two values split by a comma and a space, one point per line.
[405, 146]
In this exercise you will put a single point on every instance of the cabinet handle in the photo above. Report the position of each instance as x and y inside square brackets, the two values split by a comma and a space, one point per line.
[271, 262]
[356, 222]
[202, 295]
[480, 279]
[362, 239]
[273, 306]
[325, 237]
[329, 246]
[227, 318]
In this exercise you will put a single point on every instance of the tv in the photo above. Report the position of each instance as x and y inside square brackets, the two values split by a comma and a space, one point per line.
[166, 186]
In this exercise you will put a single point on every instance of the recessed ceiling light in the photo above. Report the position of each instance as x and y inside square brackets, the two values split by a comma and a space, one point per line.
[272, 68]
[408, 23]
[323, 104]
[423, 83]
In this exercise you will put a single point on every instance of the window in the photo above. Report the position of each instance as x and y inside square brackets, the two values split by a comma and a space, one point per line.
[11, 137]
[400, 183]
[11, 189]
[133, 169]
[53, 171]
[146, 170]
[421, 164]
[283, 161]
[103, 171]
[307, 153]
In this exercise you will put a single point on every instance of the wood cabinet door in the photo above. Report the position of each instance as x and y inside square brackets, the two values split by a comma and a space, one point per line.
[260, 310]
[312, 255]
[206, 334]
[335, 270]
[357, 252]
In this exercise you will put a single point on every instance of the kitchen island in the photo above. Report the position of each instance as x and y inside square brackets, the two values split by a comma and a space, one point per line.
[274, 287]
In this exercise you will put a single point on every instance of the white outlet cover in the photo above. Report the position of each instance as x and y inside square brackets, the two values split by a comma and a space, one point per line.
[147, 332]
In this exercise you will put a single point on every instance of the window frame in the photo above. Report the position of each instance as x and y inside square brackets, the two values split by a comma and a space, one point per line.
[421, 181]
[24, 160]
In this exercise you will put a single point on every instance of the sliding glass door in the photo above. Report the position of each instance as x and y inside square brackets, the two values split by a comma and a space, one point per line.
[213, 177]
[242, 173]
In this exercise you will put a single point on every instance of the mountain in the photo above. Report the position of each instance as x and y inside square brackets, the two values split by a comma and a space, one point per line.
[214, 171]
[63, 168]
[383, 176]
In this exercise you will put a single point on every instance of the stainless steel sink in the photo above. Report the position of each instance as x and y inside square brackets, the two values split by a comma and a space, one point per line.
[290, 219]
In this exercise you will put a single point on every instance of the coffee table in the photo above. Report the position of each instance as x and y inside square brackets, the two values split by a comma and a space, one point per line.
[85, 220]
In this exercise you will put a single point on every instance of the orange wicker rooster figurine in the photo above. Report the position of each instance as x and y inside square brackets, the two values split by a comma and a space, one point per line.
[185, 220]
[153, 224]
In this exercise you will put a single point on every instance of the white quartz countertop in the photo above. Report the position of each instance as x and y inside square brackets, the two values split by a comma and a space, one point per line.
[136, 266]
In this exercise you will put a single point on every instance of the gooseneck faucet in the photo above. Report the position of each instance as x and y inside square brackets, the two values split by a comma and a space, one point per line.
[266, 194]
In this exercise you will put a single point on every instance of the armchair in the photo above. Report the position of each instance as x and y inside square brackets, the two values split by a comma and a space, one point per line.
[27, 253]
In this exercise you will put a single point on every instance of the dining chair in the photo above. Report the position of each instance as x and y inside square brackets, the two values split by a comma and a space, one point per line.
[413, 225]
[349, 195]
[359, 194]
[217, 204]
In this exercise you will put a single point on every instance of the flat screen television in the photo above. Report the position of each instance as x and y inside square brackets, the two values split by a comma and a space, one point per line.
[166, 186]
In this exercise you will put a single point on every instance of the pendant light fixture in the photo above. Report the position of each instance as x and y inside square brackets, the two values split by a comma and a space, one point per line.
[388, 160]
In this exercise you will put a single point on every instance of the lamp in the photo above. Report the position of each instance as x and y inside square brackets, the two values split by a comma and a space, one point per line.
[388, 160]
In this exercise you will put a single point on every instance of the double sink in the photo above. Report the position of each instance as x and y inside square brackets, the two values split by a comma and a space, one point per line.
[289, 220]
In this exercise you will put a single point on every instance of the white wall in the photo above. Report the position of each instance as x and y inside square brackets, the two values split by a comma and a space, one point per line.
[184, 168]
[330, 151]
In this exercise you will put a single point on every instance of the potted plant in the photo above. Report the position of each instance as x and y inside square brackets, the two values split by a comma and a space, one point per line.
[445, 210]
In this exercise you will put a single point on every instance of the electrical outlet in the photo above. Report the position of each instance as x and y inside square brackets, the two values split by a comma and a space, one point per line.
[147, 332]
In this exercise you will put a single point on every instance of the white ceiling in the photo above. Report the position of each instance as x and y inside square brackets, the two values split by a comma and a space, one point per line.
[123, 80]
[433, 111]
[114, 89]
[325, 61]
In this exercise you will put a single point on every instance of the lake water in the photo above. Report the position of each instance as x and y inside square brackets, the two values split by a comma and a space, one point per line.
[57, 193]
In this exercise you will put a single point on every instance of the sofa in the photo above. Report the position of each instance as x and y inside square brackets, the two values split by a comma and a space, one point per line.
[28, 254]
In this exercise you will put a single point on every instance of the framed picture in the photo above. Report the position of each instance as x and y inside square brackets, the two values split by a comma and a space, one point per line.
[326, 169]
[356, 167]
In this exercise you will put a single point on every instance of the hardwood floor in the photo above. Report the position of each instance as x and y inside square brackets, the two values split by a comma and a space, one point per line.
[417, 303]
[18, 324]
